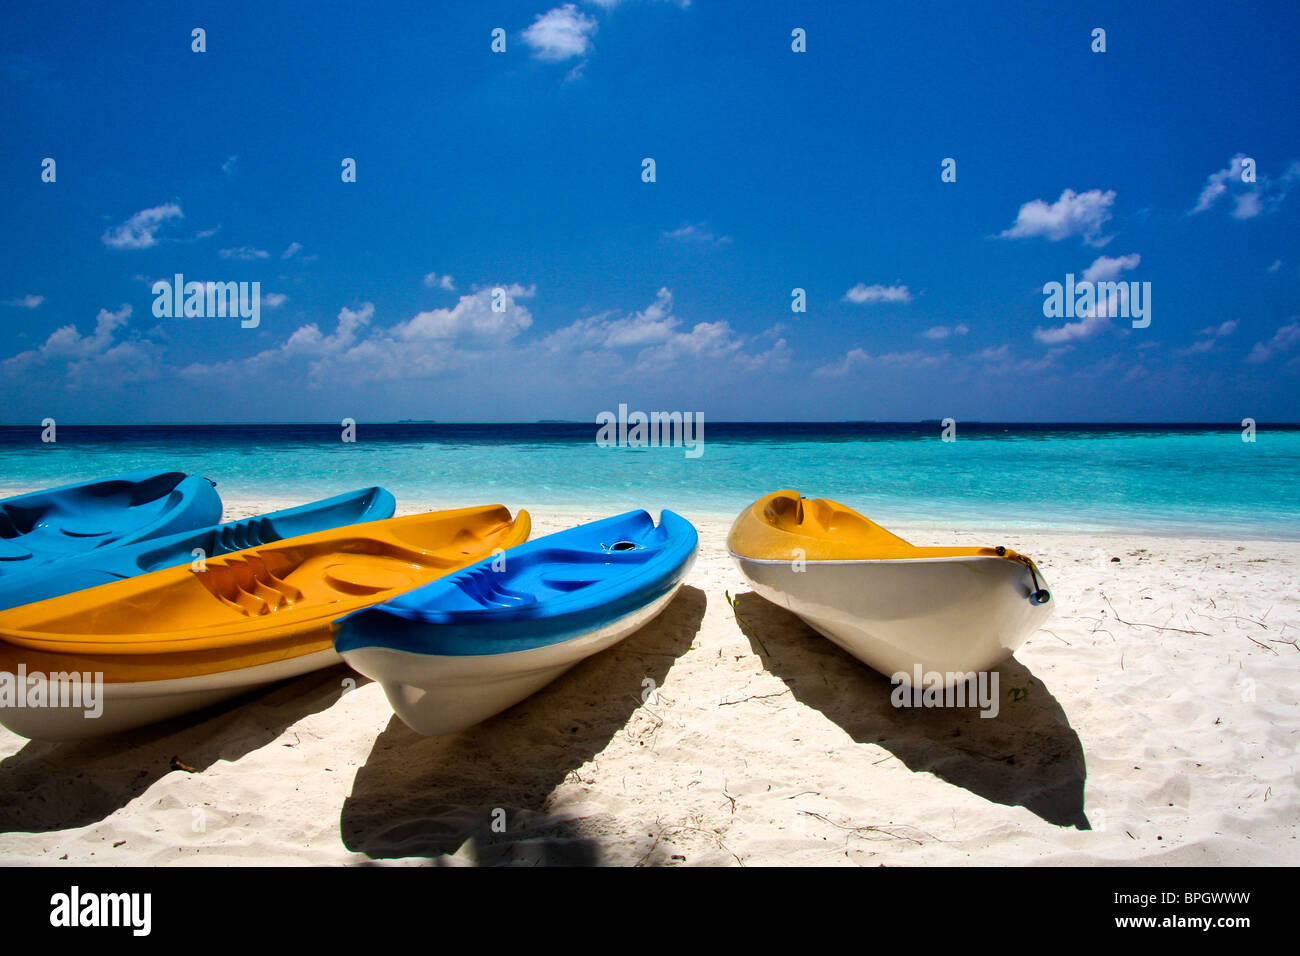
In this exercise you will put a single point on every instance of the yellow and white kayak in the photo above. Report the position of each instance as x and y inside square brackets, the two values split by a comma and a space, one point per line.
[898, 608]
[144, 649]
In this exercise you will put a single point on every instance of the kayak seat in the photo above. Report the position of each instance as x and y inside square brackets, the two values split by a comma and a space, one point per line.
[558, 582]
[11, 551]
[366, 578]
[74, 530]
[483, 587]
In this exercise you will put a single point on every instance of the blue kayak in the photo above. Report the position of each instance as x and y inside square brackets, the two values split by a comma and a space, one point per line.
[471, 644]
[124, 559]
[47, 527]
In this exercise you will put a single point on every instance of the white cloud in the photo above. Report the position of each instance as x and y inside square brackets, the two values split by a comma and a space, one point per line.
[26, 302]
[228, 167]
[698, 234]
[472, 317]
[273, 300]
[862, 294]
[1203, 345]
[307, 342]
[1074, 214]
[470, 334]
[97, 357]
[560, 34]
[660, 341]
[138, 232]
[67, 342]
[292, 250]
[1095, 319]
[435, 281]
[1277, 264]
[653, 325]
[1085, 328]
[1219, 331]
[245, 253]
[1107, 269]
[999, 360]
[1283, 340]
[1211, 336]
[611, 4]
[1248, 199]
[939, 332]
[857, 358]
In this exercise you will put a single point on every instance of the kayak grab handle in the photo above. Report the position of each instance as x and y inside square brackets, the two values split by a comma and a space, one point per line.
[1040, 594]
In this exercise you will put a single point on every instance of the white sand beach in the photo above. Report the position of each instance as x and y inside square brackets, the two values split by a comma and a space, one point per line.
[1156, 720]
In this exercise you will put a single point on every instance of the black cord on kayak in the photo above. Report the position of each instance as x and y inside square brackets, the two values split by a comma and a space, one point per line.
[1039, 595]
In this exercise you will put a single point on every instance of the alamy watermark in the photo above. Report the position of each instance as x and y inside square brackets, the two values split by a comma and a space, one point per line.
[951, 689]
[651, 430]
[208, 300]
[75, 908]
[1088, 299]
[70, 689]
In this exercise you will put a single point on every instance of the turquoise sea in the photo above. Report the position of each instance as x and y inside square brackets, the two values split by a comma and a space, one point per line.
[1150, 478]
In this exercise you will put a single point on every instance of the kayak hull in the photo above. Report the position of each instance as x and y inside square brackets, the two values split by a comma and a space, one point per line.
[474, 643]
[445, 694]
[104, 565]
[183, 637]
[51, 533]
[950, 616]
[126, 706]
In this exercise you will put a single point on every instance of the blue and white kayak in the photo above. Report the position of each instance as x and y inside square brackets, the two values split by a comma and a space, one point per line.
[48, 529]
[120, 559]
[467, 646]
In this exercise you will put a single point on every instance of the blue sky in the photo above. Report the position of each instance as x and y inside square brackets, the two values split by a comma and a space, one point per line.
[775, 170]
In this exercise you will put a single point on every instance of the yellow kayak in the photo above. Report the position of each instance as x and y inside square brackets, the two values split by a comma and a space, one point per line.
[897, 607]
[143, 649]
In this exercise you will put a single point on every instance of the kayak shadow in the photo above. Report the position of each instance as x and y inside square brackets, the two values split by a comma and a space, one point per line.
[49, 786]
[1028, 755]
[483, 796]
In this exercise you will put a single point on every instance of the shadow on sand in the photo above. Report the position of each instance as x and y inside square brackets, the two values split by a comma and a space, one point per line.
[1027, 756]
[59, 786]
[438, 796]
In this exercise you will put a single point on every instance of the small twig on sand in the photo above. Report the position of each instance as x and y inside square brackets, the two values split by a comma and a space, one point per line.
[883, 830]
[1238, 617]
[1157, 627]
[728, 703]
[707, 833]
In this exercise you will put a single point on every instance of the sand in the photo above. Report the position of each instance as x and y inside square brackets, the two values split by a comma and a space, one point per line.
[1155, 720]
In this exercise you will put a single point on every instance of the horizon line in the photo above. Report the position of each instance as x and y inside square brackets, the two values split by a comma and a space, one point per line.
[727, 421]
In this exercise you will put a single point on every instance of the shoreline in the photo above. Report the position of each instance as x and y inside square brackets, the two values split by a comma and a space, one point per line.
[244, 507]
[237, 507]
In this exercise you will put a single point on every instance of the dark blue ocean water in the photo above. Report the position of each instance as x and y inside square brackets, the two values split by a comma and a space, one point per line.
[1175, 478]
